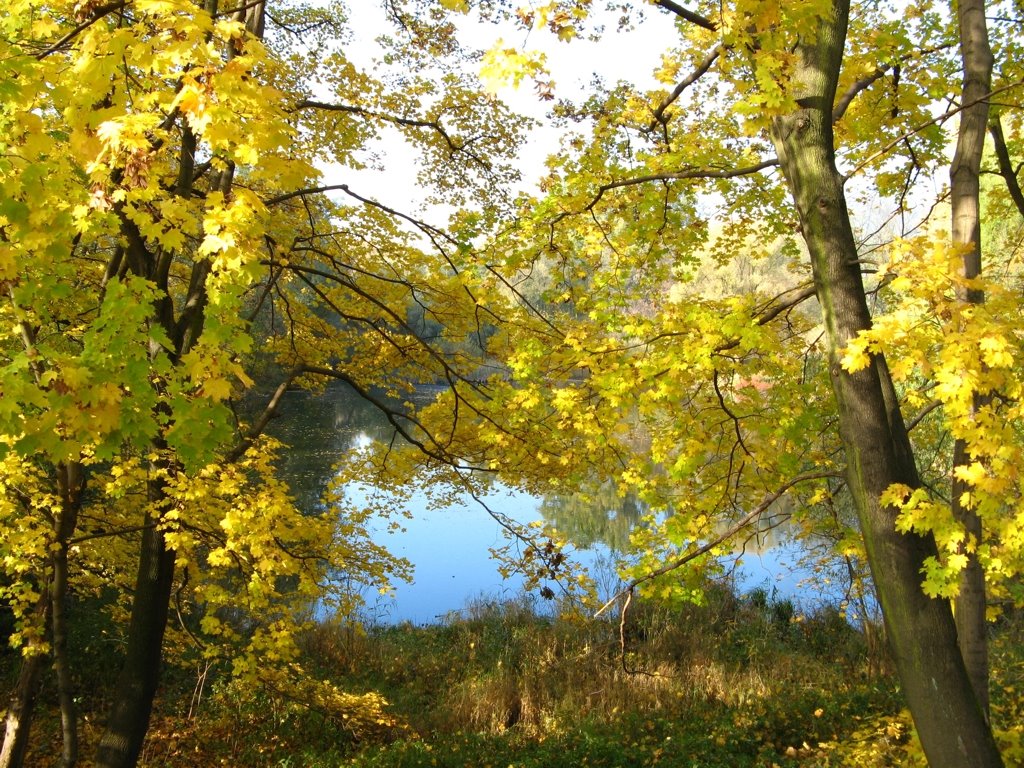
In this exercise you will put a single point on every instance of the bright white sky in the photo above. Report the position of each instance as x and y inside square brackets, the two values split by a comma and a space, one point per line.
[631, 55]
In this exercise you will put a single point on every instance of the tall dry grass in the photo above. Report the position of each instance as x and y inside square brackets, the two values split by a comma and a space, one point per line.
[498, 666]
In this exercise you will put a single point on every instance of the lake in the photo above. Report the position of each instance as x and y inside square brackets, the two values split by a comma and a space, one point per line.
[449, 547]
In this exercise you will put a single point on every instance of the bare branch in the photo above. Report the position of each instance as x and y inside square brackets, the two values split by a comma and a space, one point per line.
[303, 193]
[393, 417]
[690, 16]
[1006, 169]
[264, 419]
[453, 145]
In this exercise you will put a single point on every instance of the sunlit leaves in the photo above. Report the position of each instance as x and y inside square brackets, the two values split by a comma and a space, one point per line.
[503, 66]
[25, 539]
[160, 223]
[949, 352]
[699, 401]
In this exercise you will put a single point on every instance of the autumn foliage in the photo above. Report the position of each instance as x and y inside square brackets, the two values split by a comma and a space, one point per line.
[176, 252]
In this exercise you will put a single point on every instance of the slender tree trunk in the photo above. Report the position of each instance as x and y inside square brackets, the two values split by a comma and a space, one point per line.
[61, 663]
[136, 686]
[52, 612]
[972, 629]
[1006, 169]
[70, 483]
[921, 631]
[22, 703]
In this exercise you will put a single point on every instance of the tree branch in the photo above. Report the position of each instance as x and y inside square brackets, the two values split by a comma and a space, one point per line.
[694, 173]
[1006, 169]
[924, 412]
[768, 312]
[104, 534]
[97, 14]
[690, 16]
[731, 531]
[933, 121]
[409, 122]
[855, 88]
[304, 192]
[703, 67]
[261, 423]
[393, 417]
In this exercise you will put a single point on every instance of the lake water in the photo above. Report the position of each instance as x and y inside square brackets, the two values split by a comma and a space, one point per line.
[450, 546]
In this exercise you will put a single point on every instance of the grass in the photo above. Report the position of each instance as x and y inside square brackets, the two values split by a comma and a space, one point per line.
[736, 682]
[739, 681]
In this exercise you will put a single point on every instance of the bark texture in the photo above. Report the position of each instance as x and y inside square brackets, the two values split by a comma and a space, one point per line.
[921, 631]
[21, 705]
[965, 191]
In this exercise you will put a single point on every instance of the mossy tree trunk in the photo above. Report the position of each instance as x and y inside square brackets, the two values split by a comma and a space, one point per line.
[921, 631]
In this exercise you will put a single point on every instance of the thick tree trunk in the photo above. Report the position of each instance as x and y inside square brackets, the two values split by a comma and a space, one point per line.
[952, 727]
[136, 686]
[972, 629]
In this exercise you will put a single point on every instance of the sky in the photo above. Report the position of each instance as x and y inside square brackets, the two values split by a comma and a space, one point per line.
[632, 55]
[445, 581]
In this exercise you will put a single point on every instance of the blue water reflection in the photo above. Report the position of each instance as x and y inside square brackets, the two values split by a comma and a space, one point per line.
[450, 549]
[449, 546]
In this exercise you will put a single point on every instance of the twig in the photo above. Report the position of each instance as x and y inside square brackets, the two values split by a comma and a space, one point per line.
[97, 14]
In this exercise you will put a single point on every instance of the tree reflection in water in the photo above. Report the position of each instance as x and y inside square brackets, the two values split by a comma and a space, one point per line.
[594, 516]
[320, 428]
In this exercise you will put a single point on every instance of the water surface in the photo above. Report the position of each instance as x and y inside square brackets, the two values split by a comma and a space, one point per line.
[449, 546]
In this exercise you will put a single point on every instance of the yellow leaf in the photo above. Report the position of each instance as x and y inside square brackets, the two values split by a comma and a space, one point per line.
[217, 389]
[855, 358]
[972, 473]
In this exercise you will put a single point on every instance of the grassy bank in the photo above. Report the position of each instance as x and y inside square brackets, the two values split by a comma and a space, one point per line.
[740, 681]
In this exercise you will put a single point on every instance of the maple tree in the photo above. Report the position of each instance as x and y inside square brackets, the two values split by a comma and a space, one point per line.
[715, 407]
[165, 227]
[165, 230]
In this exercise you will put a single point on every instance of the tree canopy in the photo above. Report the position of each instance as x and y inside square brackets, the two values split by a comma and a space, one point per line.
[173, 257]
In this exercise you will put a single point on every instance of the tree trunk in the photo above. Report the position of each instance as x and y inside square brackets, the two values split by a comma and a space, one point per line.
[23, 700]
[61, 663]
[136, 686]
[921, 631]
[52, 612]
[972, 629]
[70, 483]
